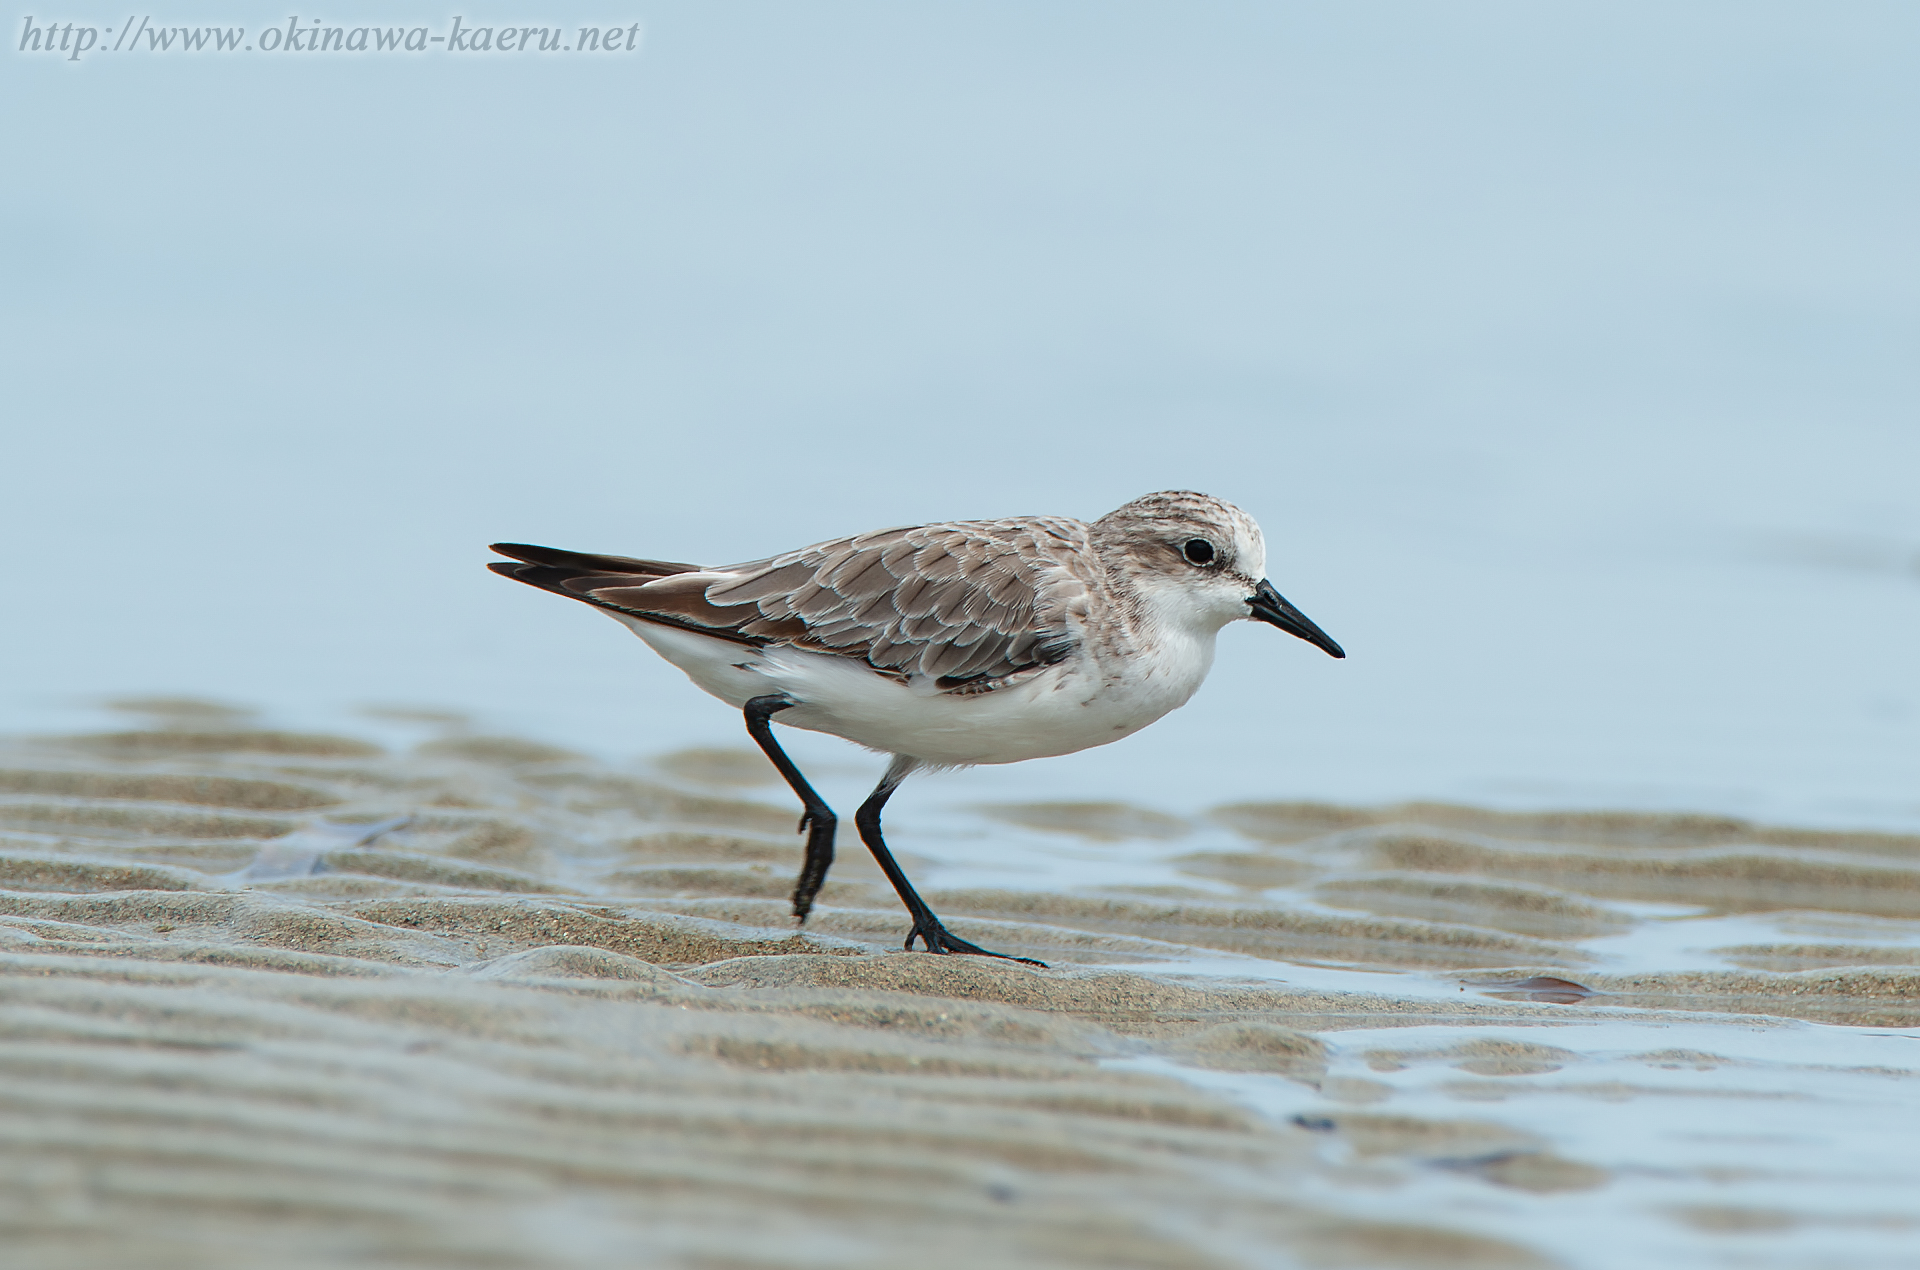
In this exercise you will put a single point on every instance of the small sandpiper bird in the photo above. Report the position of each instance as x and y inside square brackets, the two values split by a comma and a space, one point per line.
[946, 645]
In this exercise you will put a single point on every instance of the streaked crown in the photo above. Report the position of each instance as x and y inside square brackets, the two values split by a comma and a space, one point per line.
[1178, 532]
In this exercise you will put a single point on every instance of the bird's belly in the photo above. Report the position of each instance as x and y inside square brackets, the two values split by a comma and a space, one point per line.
[1048, 715]
[1064, 708]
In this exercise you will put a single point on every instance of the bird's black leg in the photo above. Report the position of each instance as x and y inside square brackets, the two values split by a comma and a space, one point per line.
[926, 927]
[817, 821]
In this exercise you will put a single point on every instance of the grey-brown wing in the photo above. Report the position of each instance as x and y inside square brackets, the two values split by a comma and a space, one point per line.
[964, 604]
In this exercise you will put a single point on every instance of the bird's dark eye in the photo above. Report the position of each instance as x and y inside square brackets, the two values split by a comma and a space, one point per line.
[1198, 551]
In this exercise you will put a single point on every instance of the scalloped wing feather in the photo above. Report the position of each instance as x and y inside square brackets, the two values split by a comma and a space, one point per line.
[966, 604]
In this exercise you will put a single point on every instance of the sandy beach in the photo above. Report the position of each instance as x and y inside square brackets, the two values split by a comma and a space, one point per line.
[285, 999]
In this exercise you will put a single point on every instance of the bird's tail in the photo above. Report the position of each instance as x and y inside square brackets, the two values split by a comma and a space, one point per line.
[575, 573]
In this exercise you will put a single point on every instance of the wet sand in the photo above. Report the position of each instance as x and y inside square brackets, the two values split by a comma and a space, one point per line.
[274, 998]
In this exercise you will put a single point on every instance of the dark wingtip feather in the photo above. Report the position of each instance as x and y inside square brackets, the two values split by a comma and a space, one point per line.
[589, 562]
[530, 554]
[546, 577]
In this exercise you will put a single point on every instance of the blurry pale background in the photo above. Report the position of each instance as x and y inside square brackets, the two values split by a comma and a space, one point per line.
[1566, 352]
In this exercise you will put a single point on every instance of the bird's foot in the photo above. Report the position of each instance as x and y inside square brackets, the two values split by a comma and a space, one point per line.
[818, 824]
[803, 902]
[940, 940]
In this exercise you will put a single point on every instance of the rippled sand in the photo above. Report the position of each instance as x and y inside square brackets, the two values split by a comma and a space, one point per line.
[287, 999]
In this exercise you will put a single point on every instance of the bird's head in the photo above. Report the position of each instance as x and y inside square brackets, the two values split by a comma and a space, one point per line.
[1200, 560]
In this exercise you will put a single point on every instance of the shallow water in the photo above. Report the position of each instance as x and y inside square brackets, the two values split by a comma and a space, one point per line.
[304, 996]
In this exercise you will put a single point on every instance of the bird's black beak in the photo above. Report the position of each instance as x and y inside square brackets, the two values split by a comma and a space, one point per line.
[1271, 607]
